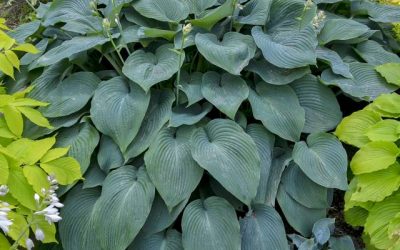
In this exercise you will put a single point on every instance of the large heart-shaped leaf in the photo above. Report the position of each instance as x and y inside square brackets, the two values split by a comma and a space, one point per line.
[70, 48]
[169, 157]
[148, 69]
[378, 12]
[288, 49]
[191, 86]
[226, 91]
[118, 109]
[321, 108]
[162, 10]
[232, 54]
[323, 159]
[213, 220]
[76, 227]
[71, 95]
[265, 143]
[263, 229]
[341, 29]
[278, 108]
[109, 156]
[158, 113]
[198, 6]
[210, 18]
[275, 75]
[366, 83]
[64, 11]
[230, 156]
[182, 115]
[82, 139]
[374, 54]
[123, 207]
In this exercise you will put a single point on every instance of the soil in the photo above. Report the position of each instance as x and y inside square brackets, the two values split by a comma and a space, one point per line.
[15, 12]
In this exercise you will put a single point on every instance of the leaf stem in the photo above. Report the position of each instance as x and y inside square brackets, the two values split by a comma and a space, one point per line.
[113, 63]
[178, 77]
[30, 5]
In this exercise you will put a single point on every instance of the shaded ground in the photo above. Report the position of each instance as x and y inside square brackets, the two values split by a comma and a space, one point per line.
[18, 11]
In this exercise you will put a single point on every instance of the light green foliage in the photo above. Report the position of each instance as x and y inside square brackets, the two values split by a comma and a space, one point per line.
[376, 185]
[184, 114]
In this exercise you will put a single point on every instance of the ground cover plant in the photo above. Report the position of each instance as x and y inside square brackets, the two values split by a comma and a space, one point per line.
[203, 124]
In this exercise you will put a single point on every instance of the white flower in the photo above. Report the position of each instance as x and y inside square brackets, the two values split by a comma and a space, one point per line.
[3, 190]
[5, 223]
[39, 235]
[37, 198]
[51, 213]
[29, 244]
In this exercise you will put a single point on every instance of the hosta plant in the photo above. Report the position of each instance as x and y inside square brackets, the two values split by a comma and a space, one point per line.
[30, 171]
[193, 121]
[373, 196]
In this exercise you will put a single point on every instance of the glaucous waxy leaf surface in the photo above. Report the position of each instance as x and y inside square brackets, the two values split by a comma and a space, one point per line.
[191, 86]
[210, 224]
[148, 69]
[232, 54]
[109, 156]
[71, 95]
[274, 75]
[226, 91]
[341, 29]
[118, 108]
[278, 108]
[283, 52]
[263, 229]
[182, 115]
[162, 10]
[169, 158]
[158, 114]
[254, 12]
[230, 156]
[374, 53]
[334, 60]
[323, 159]
[166, 240]
[123, 207]
[210, 18]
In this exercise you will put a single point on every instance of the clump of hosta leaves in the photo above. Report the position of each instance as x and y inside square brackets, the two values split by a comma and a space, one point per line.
[193, 120]
[322, 238]
[373, 196]
[30, 171]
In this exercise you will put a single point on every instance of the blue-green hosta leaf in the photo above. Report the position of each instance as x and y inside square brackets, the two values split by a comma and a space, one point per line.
[76, 227]
[220, 191]
[374, 54]
[82, 140]
[366, 83]
[158, 113]
[323, 159]
[226, 92]
[148, 69]
[64, 11]
[169, 158]
[182, 115]
[335, 61]
[214, 222]
[232, 54]
[288, 49]
[301, 218]
[210, 18]
[280, 160]
[275, 75]
[123, 207]
[130, 34]
[71, 95]
[323, 229]
[302, 189]
[23, 31]
[254, 12]
[166, 240]
[265, 143]
[322, 110]
[145, 32]
[230, 156]
[160, 217]
[341, 29]
[191, 86]
[109, 156]
[339, 243]
[118, 109]
[278, 108]
[162, 10]
[189, 38]
[94, 177]
[70, 48]
[85, 25]
[198, 6]
[378, 12]
[263, 229]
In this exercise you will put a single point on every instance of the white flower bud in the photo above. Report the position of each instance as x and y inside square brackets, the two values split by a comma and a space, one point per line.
[39, 234]
[37, 198]
[3, 190]
[29, 244]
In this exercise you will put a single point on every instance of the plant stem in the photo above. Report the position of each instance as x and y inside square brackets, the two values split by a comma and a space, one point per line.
[114, 64]
[16, 243]
[117, 50]
[30, 5]
[178, 77]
